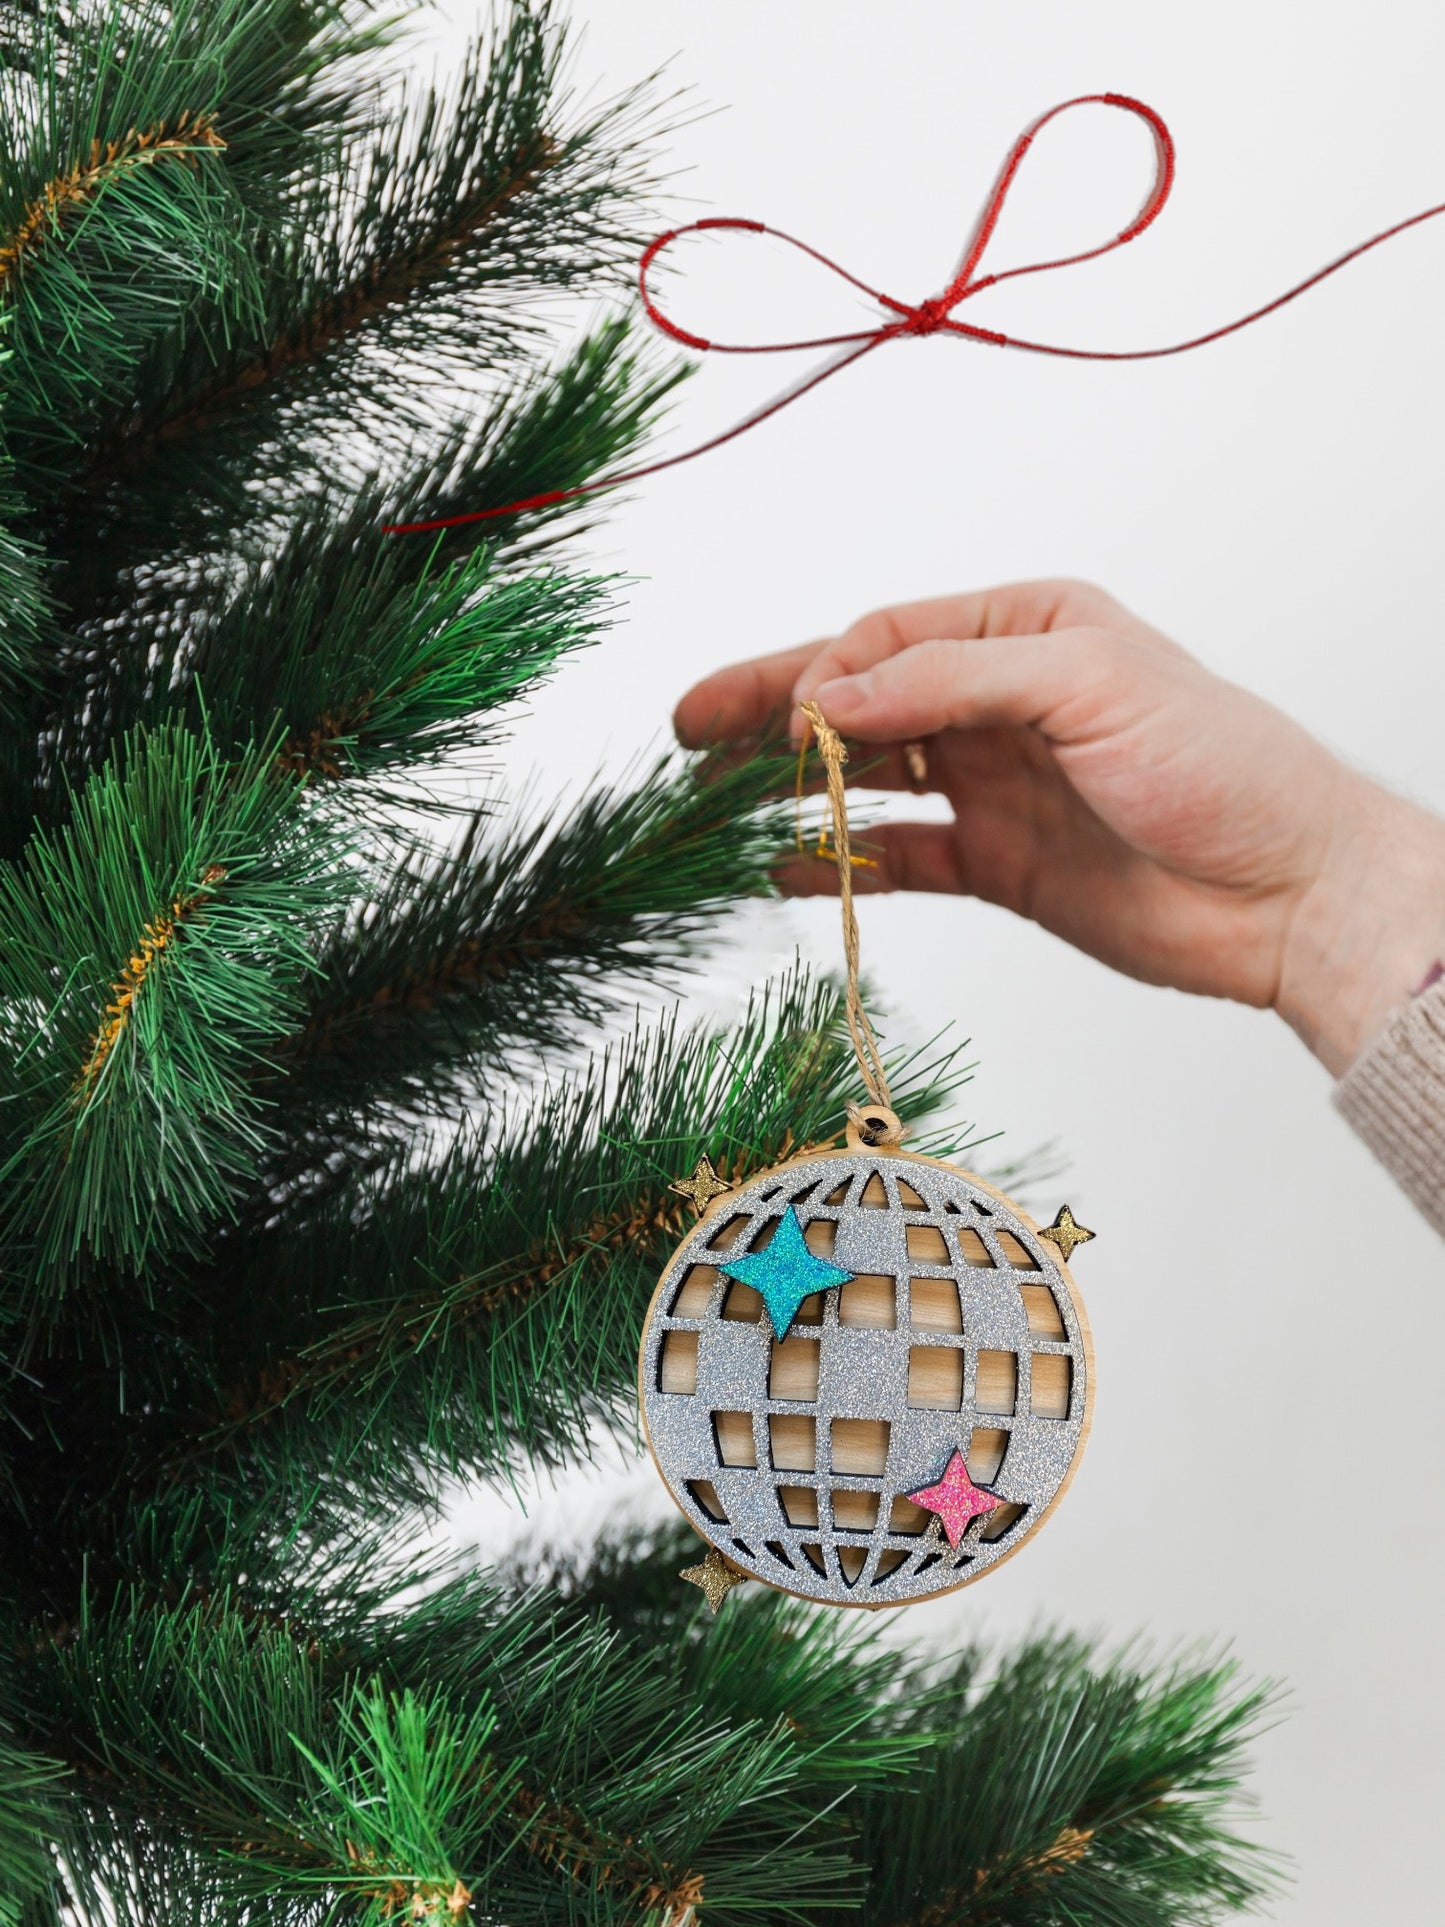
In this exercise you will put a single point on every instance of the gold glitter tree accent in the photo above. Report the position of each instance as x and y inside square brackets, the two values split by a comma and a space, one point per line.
[155, 939]
[1067, 1233]
[713, 1577]
[703, 1186]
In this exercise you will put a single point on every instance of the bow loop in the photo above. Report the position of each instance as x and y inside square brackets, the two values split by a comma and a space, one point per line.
[931, 317]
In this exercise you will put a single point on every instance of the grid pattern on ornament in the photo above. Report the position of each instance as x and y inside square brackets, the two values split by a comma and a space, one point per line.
[957, 1332]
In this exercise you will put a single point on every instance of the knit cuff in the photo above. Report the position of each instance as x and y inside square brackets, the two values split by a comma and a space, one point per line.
[1393, 1096]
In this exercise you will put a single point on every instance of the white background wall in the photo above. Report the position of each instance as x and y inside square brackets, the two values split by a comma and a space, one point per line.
[1266, 1458]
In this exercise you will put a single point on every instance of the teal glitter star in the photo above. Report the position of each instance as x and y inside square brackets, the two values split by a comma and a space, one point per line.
[786, 1273]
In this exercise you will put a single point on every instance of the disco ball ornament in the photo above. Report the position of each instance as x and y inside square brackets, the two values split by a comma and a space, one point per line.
[865, 1376]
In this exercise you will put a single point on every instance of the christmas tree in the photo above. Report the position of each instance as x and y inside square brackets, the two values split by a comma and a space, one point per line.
[330, 1170]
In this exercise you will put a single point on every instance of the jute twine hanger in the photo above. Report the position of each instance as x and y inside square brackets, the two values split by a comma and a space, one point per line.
[878, 1123]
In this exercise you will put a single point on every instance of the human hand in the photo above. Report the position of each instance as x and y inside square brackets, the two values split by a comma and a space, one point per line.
[1113, 789]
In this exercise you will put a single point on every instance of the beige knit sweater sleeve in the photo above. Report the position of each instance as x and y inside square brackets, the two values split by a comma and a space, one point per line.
[1394, 1096]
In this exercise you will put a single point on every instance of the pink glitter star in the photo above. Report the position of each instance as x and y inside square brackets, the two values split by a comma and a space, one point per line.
[956, 1499]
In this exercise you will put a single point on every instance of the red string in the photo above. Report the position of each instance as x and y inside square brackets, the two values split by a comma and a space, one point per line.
[934, 316]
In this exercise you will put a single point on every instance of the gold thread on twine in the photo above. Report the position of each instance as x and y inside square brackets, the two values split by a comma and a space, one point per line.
[822, 849]
[181, 139]
[865, 1042]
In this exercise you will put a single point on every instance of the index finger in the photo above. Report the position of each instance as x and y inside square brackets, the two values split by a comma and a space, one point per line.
[746, 696]
[1014, 609]
[742, 698]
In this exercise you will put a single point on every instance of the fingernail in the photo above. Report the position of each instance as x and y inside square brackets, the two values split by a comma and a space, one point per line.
[845, 696]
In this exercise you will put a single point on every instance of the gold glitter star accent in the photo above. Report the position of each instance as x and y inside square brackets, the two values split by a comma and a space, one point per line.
[702, 1187]
[1066, 1232]
[714, 1577]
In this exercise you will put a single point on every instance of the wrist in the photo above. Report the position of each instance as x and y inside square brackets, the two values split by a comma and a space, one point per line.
[1369, 931]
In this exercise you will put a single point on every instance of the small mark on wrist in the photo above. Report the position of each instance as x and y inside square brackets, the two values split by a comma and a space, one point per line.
[1431, 978]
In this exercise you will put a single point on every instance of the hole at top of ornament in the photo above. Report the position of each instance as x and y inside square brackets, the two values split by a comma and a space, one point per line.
[926, 1243]
[935, 1378]
[793, 1442]
[934, 1305]
[874, 1194]
[1017, 1254]
[820, 1235]
[1051, 1376]
[1042, 1309]
[1001, 1520]
[733, 1432]
[742, 1305]
[872, 1125]
[984, 1458]
[704, 1492]
[860, 1445]
[799, 1503]
[839, 1193]
[870, 1300]
[695, 1295]
[851, 1561]
[908, 1197]
[677, 1363]
[998, 1383]
[793, 1369]
[855, 1511]
[727, 1235]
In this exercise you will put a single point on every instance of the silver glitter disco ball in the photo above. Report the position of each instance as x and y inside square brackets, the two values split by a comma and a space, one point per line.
[958, 1331]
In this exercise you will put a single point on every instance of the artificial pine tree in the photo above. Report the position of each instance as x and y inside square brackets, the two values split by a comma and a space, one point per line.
[317, 1188]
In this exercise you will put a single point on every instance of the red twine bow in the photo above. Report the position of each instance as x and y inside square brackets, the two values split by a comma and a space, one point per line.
[934, 316]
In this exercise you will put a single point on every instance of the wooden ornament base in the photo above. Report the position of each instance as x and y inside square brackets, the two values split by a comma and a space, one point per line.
[959, 1331]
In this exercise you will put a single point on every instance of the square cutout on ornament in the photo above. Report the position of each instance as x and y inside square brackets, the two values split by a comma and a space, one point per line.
[935, 1378]
[733, 1432]
[705, 1493]
[821, 1237]
[860, 1445]
[793, 1440]
[1016, 1253]
[855, 1511]
[1052, 1378]
[742, 1305]
[799, 1503]
[1042, 1310]
[926, 1244]
[906, 1517]
[677, 1363]
[869, 1301]
[793, 1371]
[975, 1252]
[998, 1383]
[986, 1448]
[696, 1294]
[934, 1305]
